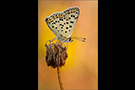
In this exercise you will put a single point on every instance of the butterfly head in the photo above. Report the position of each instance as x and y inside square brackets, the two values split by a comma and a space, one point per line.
[64, 39]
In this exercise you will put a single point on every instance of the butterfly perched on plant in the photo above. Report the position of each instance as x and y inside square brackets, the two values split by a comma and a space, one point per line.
[62, 24]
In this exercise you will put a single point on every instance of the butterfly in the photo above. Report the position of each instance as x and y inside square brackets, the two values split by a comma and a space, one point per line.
[62, 24]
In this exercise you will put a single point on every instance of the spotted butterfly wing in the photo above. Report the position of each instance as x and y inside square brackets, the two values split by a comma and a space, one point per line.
[63, 23]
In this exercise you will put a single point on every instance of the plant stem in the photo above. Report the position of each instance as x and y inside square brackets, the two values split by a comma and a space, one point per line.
[59, 78]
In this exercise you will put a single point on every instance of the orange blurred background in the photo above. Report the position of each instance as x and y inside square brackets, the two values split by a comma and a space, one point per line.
[81, 66]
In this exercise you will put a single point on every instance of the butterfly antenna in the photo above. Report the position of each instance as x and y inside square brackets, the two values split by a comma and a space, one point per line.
[79, 38]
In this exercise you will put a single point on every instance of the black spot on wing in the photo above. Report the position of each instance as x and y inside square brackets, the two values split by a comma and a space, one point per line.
[61, 35]
[71, 21]
[46, 19]
[61, 19]
[53, 23]
[72, 15]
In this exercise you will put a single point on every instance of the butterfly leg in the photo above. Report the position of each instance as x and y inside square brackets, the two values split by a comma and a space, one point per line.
[67, 45]
[50, 41]
[61, 43]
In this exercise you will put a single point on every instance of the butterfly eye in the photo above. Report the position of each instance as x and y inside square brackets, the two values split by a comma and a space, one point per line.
[70, 40]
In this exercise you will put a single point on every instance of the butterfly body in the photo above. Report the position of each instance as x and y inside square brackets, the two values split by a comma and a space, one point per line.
[62, 23]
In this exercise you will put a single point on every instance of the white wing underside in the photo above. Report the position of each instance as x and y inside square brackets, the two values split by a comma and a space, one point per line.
[62, 23]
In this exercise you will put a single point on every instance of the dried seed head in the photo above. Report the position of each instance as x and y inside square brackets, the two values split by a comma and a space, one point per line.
[56, 54]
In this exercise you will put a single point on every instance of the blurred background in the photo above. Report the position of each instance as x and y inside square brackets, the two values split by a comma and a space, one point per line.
[81, 66]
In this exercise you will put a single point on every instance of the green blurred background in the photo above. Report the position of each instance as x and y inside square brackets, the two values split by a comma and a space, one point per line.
[81, 67]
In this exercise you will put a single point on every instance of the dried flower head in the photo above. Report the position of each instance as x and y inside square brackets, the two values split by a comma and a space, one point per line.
[56, 54]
